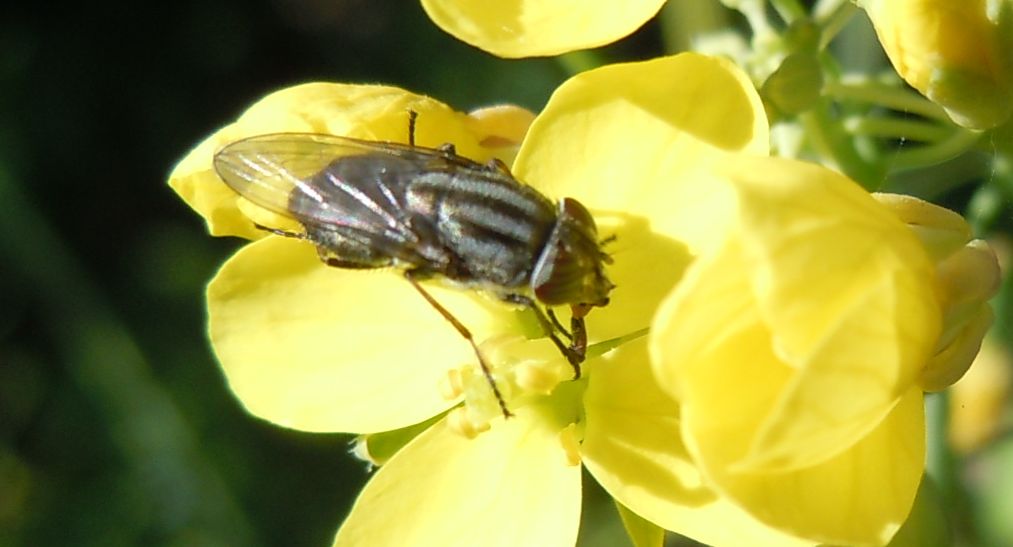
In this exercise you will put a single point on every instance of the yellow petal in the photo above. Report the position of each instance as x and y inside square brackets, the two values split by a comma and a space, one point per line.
[509, 486]
[505, 123]
[632, 446]
[636, 143]
[325, 349]
[642, 532]
[641, 139]
[859, 497]
[941, 231]
[849, 297]
[950, 364]
[529, 28]
[369, 112]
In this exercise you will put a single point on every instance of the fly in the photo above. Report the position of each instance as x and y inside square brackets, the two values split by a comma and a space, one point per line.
[432, 214]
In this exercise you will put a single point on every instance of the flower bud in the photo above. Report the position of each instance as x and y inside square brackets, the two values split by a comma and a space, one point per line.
[967, 275]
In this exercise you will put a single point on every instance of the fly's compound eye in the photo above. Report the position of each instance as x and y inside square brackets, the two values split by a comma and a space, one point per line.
[575, 210]
[570, 267]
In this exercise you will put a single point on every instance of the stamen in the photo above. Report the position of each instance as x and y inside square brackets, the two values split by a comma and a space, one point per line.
[524, 370]
[462, 421]
[452, 385]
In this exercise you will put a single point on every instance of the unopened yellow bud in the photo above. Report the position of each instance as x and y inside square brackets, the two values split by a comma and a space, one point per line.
[940, 230]
[967, 275]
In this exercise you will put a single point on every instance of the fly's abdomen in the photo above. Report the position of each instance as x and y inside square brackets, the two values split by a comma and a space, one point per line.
[492, 225]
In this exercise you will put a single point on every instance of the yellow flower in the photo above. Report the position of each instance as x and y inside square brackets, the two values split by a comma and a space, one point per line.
[798, 349]
[530, 28]
[958, 53]
[324, 349]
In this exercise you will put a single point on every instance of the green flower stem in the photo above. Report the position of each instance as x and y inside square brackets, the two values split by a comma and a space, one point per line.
[897, 128]
[755, 13]
[911, 157]
[941, 463]
[789, 10]
[894, 98]
[831, 16]
[98, 353]
[830, 139]
[992, 200]
[825, 10]
[681, 22]
[939, 458]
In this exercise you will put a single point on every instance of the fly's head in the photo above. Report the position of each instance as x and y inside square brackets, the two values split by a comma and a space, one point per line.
[571, 268]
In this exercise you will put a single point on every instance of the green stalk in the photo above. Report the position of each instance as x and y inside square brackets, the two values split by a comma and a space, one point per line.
[911, 157]
[789, 10]
[897, 128]
[888, 96]
[831, 17]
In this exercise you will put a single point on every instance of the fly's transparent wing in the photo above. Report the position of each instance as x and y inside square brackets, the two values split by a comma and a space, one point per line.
[270, 170]
[326, 180]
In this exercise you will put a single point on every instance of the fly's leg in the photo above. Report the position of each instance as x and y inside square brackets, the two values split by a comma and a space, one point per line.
[558, 326]
[448, 149]
[574, 352]
[578, 343]
[283, 233]
[410, 276]
[412, 116]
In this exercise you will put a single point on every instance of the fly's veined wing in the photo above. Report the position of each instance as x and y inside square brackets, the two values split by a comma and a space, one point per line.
[330, 180]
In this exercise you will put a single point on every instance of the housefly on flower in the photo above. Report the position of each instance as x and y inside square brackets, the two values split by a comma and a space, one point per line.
[434, 215]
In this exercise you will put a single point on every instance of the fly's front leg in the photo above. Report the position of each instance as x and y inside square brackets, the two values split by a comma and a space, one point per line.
[283, 233]
[411, 276]
[578, 342]
[559, 326]
[573, 352]
[412, 116]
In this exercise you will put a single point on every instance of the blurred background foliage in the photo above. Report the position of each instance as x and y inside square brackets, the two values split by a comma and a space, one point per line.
[116, 427]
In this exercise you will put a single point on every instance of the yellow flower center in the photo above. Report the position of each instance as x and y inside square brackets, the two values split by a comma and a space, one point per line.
[524, 371]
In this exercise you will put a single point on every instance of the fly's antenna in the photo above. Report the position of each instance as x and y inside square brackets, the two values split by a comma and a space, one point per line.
[412, 115]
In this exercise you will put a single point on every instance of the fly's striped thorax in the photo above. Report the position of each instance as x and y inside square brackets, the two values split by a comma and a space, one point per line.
[495, 226]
